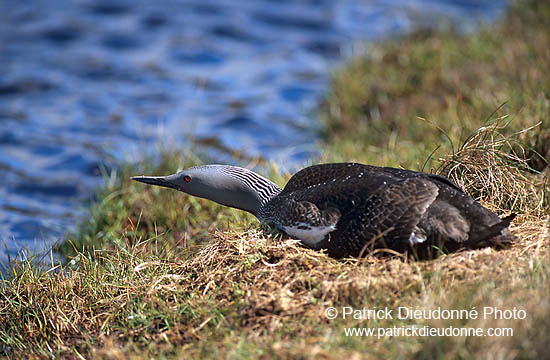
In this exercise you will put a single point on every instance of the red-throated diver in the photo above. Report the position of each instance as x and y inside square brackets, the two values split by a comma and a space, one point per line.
[350, 208]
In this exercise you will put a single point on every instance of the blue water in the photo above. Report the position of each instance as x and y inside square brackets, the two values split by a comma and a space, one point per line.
[84, 84]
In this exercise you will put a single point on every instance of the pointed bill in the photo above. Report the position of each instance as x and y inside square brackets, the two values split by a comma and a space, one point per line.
[164, 181]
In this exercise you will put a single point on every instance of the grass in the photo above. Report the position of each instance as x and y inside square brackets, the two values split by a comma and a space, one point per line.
[155, 273]
[431, 88]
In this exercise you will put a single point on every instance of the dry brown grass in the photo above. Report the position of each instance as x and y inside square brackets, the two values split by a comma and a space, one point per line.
[274, 292]
[493, 167]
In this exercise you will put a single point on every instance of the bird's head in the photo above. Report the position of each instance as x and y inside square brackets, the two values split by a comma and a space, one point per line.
[227, 185]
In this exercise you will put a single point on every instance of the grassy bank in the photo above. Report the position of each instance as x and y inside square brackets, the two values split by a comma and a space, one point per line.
[155, 273]
[437, 88]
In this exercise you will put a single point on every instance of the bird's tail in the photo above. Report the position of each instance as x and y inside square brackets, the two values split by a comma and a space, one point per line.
[496, 235]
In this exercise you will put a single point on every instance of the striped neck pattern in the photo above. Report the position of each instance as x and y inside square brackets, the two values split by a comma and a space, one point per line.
[264, 188]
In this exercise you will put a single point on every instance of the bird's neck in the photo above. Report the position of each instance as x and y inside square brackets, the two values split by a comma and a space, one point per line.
[246, 190]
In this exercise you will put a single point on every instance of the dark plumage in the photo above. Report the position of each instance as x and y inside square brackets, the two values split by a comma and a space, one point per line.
[382, 207]
[350, 209]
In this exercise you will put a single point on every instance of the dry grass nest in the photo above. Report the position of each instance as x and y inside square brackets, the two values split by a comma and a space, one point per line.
[274, 279]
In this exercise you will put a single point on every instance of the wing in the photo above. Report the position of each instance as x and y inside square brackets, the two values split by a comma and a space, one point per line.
[389, 216]
[381, 216]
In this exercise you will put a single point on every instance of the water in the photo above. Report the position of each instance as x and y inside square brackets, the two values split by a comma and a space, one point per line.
[86, 82]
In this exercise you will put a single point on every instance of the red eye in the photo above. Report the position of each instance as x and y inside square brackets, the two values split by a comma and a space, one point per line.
[187, 178]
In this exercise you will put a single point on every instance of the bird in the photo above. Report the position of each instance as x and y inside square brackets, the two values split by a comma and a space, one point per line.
[351, 209]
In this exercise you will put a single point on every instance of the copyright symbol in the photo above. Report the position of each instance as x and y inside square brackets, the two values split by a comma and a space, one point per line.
[331, 313]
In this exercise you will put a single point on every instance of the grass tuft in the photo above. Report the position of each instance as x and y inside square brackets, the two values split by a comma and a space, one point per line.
[493, 168]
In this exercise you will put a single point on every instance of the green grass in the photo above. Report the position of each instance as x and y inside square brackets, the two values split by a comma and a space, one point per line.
[430, 90]
[153, 273]
[127, 209]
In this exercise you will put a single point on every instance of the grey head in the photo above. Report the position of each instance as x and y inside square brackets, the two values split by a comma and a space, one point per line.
[228, 185]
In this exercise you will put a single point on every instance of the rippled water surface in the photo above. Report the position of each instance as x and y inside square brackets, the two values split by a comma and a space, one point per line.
[84, 82]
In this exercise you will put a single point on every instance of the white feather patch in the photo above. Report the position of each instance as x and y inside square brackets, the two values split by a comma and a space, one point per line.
[416, 239]
[309, 236]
